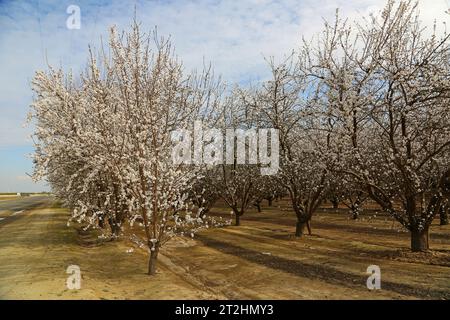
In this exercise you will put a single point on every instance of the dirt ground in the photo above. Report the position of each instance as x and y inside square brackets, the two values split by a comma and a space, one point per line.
[258, 260]
[37, 248]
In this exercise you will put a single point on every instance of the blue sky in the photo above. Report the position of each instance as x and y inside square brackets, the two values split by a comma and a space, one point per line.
[234, 36]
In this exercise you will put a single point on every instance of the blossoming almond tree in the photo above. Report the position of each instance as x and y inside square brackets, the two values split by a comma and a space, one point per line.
[66, 135]
[285, 103]
[237, 178]
[409, 122]
[110, 138]
[390, 90]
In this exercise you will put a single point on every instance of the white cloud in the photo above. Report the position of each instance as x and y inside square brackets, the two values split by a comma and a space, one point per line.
[233, 35]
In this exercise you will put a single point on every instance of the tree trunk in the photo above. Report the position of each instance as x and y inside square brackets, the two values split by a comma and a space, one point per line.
[300, 228]
[270, 202]
[101, 222]
[258, 206]
[355, 212]
[238, 219]
[443, 215]
[308, 225]
[115, 228]
[335, 202]
[152, 261]
[419, 240]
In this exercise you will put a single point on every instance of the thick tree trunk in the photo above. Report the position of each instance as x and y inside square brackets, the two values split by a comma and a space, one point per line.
[270, 202]
[419, 240]
[237, 219]
[443, 215]
[258, 206]
[300, 228]
[152, 261]
[419, 236]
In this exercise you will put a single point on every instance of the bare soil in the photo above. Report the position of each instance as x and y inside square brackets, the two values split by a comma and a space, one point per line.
[258, 260]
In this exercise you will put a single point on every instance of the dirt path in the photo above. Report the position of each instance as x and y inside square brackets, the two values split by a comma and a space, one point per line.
[37, 247]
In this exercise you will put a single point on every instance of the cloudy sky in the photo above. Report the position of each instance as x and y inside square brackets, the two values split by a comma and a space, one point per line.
[234, 36]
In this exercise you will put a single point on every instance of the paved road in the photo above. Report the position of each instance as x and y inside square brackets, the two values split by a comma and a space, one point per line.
[12, 209]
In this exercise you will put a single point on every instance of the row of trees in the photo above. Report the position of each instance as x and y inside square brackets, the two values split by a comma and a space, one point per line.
[362, 111]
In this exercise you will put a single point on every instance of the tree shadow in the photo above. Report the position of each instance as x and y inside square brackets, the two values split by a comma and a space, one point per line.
[321, 272]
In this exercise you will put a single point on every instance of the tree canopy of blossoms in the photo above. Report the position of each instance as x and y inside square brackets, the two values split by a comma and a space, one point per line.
[387, 88]
[104, 143]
